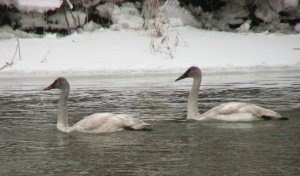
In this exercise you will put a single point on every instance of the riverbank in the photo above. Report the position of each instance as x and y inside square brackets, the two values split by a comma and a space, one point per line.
[126, 51]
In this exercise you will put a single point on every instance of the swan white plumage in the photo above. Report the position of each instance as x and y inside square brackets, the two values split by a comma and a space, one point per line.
[95, 123]
[233, 111]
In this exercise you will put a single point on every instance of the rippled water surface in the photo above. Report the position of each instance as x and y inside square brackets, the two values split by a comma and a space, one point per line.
[30, 144]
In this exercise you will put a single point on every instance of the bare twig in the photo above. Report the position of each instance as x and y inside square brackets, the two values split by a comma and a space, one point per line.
[70, 4]
[75, 20]
[45, 57]
[15, 53]
[271, 7]
[4, 66]
[165, 4]
[11, 62]
[66, 18]
[20, 58]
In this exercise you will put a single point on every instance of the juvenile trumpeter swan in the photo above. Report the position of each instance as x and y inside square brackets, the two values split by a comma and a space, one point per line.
[95, 123]
[233, 111]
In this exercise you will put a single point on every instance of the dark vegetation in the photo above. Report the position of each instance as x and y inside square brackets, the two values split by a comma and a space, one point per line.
[225, 15]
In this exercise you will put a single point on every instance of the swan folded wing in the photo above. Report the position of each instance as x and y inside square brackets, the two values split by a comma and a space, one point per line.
[235, 111]
[108, 122]
[225, 109]
[101, 123]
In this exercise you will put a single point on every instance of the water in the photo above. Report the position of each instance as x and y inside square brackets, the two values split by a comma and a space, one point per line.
[31, 145]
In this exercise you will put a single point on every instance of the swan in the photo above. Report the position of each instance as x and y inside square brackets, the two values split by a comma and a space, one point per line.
[95, 123]
[232, 111]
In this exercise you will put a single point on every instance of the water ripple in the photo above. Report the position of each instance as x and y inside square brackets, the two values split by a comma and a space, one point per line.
[31, 145]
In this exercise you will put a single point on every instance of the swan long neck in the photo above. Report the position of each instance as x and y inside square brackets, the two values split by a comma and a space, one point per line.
[192, 105]
[62, 118]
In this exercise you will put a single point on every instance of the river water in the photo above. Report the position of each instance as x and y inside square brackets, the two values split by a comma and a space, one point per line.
[30, 144]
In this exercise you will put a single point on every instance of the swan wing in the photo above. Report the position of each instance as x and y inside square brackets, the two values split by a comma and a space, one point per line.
[101, 123]
[236, 111]
[109, 122]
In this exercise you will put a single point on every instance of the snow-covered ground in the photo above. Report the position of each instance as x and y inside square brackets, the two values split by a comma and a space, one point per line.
[106, 51]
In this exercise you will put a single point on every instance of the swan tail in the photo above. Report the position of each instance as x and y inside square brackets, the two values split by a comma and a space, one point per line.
[142, 126]
[134, 128]
[283, 118]
[261, 112]
[270, 117]
[269, 114]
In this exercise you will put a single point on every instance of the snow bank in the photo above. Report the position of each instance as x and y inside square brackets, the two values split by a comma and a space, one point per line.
[7, 32]
[39, 6]
[174, 12]
[33, 5]
[105, 50]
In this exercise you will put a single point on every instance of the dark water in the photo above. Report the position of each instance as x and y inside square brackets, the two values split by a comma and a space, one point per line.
[31, 145]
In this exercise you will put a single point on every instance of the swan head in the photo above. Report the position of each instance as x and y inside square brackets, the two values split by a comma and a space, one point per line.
[192, 72]
[60, 83]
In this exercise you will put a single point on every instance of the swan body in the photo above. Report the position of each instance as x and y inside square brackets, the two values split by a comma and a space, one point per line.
[95, 123]
[232, 111]
[105, 123]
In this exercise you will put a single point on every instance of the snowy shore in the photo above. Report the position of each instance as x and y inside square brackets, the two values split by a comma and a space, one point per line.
[106, 51]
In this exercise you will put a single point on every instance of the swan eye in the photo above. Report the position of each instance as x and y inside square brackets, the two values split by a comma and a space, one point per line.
[190, 71]
[55, 83]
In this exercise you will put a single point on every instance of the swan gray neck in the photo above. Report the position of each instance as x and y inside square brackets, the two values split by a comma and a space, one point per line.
[192, 105]
[62, 118]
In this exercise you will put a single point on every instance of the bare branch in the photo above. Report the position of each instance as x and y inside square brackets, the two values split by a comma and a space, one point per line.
[70, 4]
[20, 58]
[66, 18]
[4, 66]
[14, 56]
[11, 62]
[45, 57]
[271, 7]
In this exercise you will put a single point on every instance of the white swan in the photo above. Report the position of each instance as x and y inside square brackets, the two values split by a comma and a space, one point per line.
[233, 111]
[95, 123]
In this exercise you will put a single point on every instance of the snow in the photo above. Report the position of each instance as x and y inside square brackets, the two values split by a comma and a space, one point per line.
[174, 12]
[127, 16]
[33, 5]
[39, 6]
[7, 32]
[124, 17]
[297, 27]
[108, 51]
[290, 3]
[266, 14]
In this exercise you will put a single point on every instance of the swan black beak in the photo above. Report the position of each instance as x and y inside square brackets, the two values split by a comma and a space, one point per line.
[48, 88]
[183, 76]
[51, 86]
